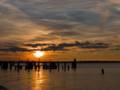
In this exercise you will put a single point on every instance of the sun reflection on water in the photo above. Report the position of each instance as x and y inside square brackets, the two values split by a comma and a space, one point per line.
[39, 80]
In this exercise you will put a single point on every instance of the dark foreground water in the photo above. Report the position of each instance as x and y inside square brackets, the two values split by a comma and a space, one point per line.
[86, 77]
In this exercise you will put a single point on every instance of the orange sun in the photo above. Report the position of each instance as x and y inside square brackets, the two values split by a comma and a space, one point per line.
[39, 54]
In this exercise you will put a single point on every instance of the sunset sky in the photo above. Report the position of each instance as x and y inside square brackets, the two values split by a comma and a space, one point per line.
[63, 29]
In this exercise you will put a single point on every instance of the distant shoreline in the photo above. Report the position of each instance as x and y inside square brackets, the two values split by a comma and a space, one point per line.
[24, 61]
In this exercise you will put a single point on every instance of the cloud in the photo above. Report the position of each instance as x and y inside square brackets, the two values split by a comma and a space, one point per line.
[15, 49]
[38, 45]
[86, 45]
[65, 46]
[23, 21]
[54, 47]
[46, 12]
[66, 33]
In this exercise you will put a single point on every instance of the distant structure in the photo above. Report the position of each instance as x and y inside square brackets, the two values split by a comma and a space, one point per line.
[30, 65]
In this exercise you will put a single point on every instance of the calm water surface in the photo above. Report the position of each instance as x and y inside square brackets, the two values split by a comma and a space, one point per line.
[86, 77]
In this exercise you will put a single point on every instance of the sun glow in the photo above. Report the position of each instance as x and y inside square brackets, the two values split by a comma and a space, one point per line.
[39, 54]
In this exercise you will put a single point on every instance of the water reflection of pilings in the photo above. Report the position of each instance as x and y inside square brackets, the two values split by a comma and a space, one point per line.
[32, 65]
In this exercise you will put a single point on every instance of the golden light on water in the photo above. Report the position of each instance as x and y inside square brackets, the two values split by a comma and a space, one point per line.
[39, 79]
[39, 54]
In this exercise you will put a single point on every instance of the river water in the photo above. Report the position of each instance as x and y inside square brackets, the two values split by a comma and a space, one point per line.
[85, 77]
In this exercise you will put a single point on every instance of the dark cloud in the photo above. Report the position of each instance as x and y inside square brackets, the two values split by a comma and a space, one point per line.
[92, 45]
[56, 47]
[64, 46]
[15, 49]
[86, 45]
[38, 45]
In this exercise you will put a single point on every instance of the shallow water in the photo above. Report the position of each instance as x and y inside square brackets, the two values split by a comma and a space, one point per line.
[86, 77]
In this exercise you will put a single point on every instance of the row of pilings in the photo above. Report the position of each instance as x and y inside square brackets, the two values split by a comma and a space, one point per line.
[32, 65]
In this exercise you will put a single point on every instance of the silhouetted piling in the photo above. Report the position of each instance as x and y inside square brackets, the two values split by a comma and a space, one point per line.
[50, 65]
[68, 67]
[74, 64]
[4, 65]
[102, 71]
[53, 65]
[11, 65]
[45, 66]
[18, 66]
[35, 66]
[65, 66]
[29, 66]
[58, 67]
[38, 65]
